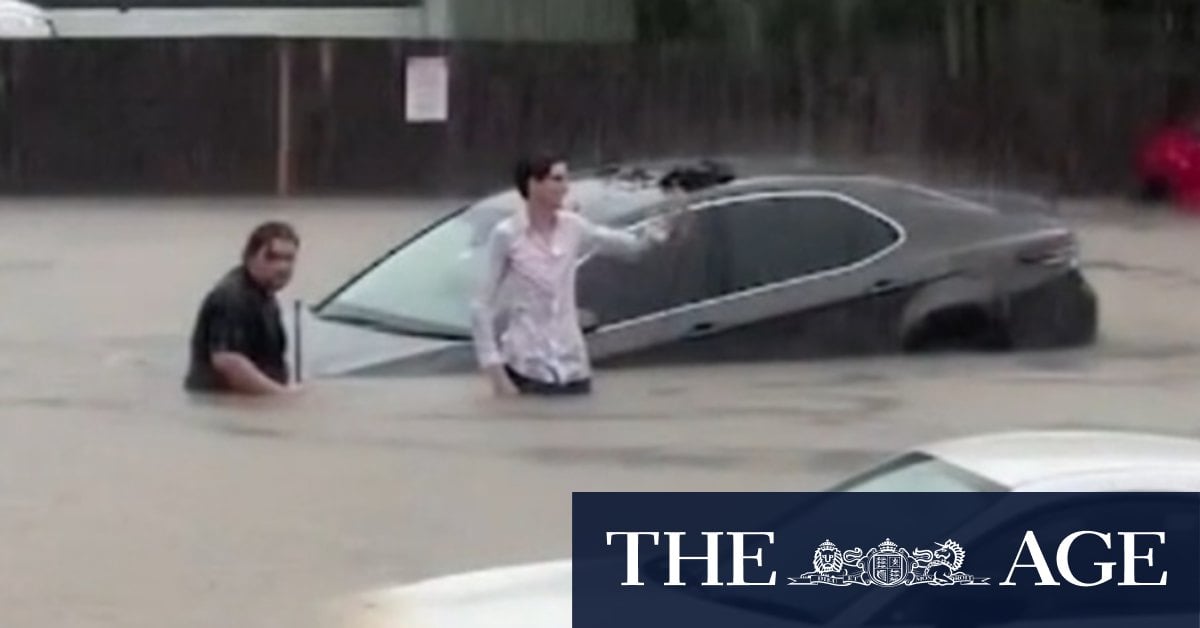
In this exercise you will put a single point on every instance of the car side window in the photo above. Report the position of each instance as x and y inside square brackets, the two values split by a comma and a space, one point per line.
[687, 269]
[936, 606]
[778, 238]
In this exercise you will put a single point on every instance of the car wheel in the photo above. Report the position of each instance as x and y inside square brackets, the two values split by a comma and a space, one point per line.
[1058, 315]
[960, 327]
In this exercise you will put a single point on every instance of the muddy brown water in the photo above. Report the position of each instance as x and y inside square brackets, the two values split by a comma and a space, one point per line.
[125, 504]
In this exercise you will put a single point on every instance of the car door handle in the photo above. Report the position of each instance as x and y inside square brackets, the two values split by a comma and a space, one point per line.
[699, 329]
[883, 285]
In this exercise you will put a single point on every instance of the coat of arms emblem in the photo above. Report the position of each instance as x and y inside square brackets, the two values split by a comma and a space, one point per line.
[888, 565]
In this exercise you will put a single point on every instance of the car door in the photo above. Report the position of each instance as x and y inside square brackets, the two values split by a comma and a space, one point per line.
[658, 296]
[746, 258]
[791, 252]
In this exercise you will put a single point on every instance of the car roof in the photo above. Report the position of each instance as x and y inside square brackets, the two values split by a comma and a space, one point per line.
[883, 193]
[932, 217]
[767, 174]
[629, 188]
[1017, 458]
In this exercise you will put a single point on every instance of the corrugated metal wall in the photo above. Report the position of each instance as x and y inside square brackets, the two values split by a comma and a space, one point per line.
[137, 116]
[200, 116]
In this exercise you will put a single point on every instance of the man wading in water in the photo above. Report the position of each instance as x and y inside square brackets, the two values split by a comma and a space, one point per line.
[238, 342]
[530, 283]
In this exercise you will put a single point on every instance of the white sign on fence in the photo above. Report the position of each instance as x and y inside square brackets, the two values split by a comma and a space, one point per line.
[427, 89]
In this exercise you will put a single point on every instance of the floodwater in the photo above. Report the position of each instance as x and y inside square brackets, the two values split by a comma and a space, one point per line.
[122, 503]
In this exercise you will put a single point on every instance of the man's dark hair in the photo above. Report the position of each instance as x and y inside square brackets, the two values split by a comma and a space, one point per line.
[537, 166]
[265, 234]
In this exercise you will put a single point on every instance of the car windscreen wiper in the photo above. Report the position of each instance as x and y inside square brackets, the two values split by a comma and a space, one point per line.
[390, 326]
[358, 321]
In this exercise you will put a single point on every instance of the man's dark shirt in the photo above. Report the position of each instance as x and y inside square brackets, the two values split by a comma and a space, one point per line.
[237, 316]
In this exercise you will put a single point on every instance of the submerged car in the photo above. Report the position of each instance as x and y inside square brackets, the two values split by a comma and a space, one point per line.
[767, 265]
[1157, 473]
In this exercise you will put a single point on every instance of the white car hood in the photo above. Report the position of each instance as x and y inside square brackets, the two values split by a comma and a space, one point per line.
[528, 596]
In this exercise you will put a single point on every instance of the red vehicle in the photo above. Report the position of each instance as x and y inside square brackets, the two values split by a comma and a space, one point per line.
[1168, 165]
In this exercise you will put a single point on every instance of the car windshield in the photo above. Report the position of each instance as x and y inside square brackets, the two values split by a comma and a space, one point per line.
[918, 473]
[911, 473]
[425, 286]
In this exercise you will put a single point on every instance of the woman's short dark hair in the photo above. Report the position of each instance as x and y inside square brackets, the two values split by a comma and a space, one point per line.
[266, 233]
[536, 166]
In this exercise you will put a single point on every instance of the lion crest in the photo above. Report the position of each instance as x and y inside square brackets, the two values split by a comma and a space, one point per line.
[827, 559]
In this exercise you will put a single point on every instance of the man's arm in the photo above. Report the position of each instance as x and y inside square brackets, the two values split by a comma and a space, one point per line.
[483, 313]
[228, 348]
[243, 376]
